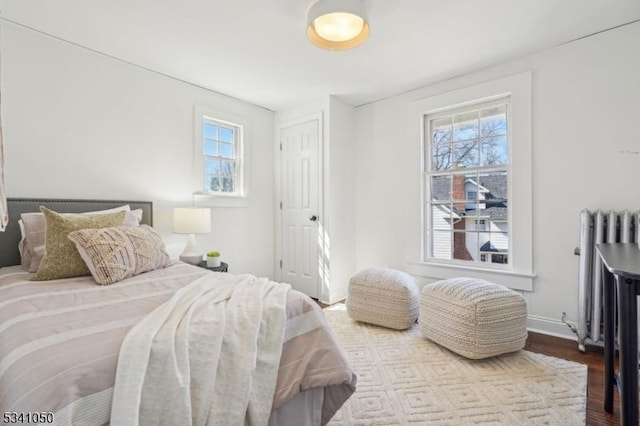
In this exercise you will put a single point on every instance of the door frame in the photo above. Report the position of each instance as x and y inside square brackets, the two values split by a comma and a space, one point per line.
[278, 192]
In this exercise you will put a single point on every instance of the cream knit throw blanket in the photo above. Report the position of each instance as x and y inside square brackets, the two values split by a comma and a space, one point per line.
[208, 356]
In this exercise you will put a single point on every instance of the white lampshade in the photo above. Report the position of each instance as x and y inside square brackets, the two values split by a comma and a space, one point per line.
[337, 24]
[191, 220]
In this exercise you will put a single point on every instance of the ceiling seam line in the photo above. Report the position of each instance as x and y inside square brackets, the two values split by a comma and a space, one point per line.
[423, 86]
[142, 67]
[600, 32]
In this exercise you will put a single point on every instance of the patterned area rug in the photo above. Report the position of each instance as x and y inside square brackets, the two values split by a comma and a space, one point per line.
[404, 379]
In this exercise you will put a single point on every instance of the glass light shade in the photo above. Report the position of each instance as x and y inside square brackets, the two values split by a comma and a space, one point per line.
[337, 24]
[191, 220]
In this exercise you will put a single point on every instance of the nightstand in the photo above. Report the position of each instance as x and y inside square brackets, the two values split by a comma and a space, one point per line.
[224, 267]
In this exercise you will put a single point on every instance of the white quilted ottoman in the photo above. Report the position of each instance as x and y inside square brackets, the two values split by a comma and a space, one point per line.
[385, 297]
[472, 317]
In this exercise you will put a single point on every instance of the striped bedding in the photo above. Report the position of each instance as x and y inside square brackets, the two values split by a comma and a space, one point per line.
[60, 340]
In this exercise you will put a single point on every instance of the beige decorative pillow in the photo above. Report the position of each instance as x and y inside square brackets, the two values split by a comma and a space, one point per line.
[61, 258]
[113, 254]
[33, 233]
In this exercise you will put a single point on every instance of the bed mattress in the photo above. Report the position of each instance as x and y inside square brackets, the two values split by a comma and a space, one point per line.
[60, 340]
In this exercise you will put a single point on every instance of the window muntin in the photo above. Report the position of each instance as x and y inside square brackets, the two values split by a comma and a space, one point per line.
[466, 179]
[221, 157]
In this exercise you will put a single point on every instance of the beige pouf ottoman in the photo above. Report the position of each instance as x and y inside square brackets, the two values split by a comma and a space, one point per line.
[472, 317]
[384, 297]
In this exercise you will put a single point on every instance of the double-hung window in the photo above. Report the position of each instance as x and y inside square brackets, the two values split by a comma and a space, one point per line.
[220, 143]
[220, 161]
[467, 181]
[475, 214]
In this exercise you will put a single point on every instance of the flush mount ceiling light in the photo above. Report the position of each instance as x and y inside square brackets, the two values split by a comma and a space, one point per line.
[337, 24]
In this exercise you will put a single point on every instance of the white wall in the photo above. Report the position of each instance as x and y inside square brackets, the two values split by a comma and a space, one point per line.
[78, 124]
[586, 106]
[340, 197]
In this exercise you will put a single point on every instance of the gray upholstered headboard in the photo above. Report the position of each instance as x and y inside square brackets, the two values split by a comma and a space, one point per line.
[9, 254]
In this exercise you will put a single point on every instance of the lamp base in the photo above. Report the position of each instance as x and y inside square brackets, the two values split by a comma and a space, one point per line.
[192, 259]
[190, 253]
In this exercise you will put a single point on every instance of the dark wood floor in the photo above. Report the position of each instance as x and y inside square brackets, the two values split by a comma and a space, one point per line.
[593, 358]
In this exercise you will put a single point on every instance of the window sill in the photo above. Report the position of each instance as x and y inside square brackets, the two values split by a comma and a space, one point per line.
[514, 280]
[205, 199]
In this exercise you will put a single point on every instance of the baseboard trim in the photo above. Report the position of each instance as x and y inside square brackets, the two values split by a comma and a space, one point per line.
[550, 326]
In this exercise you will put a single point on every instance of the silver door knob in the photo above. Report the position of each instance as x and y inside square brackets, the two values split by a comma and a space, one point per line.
[313, 218]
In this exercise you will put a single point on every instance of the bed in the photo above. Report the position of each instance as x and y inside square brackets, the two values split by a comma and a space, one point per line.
[61, 340]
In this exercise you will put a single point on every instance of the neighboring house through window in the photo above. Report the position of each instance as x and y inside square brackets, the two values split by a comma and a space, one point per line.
[481, 224]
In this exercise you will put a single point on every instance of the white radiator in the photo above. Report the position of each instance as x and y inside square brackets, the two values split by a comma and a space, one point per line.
[598, 227]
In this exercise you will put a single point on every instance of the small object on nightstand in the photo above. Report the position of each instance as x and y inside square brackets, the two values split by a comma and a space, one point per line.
[224, 267]
[213, 259]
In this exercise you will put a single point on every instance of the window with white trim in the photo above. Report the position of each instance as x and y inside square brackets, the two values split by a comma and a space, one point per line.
[467, 179]
[516, 269]
[220, 142]
[219, 155]
[481, 224]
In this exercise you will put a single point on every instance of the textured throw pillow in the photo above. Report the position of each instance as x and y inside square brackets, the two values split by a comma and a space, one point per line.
[113, 254]
[61, 258]
[33, 233]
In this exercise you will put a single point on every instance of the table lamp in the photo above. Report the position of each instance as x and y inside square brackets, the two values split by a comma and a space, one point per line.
[191, 221]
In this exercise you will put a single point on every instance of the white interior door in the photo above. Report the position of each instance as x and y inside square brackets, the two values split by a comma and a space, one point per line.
[299, 208]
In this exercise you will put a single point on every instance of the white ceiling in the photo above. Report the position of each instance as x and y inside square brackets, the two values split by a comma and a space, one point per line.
[256, 50]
